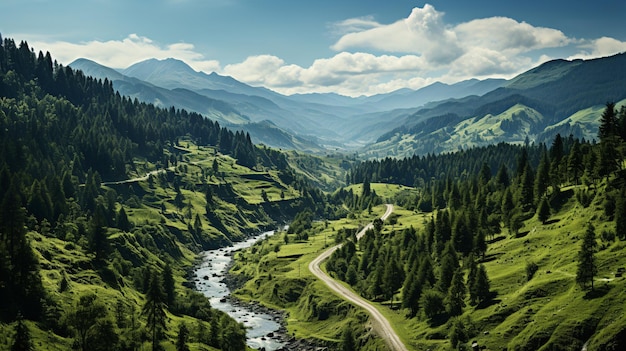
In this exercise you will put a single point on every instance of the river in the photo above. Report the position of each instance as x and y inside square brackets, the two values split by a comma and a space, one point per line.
[210, 274]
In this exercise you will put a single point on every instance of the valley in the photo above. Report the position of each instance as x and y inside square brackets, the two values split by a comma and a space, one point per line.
[488, 212]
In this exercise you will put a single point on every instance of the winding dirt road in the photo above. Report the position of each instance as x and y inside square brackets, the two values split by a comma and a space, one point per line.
[381, 324]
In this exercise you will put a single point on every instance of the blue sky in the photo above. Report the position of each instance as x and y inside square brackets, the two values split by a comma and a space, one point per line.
[348, 47]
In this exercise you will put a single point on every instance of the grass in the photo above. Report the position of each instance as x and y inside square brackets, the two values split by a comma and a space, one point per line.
[545, 313]
[151, 204]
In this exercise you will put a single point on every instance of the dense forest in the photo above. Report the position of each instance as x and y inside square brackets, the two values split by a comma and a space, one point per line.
[63, 137]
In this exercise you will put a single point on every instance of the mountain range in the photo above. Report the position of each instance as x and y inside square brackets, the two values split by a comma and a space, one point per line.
[559, 96]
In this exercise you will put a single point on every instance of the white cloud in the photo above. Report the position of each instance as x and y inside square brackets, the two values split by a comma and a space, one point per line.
[354, 25]
[123, 53]
[423, 32]
[477, 48]
[604, 46]
[371, 57]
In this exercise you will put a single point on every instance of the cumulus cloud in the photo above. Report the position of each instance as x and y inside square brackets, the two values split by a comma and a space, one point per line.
[478, 47]
[604, 46]
[371, 57]
[423, 32]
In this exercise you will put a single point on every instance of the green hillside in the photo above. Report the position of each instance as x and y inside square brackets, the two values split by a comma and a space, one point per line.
[517, 247]
[105, 203]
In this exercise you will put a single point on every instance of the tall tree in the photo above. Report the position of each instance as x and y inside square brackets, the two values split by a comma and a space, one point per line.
[480, 289]
[181, 340]
[620, 215]
[542, 178]
[169, 284]
[455, 300]
[543, 211]
[575, 165]
[587, 267]
[154, 309]
[608, 123]
[22, 340]
[526, 187]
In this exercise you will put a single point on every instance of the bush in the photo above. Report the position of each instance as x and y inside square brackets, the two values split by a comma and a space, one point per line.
[531, 269]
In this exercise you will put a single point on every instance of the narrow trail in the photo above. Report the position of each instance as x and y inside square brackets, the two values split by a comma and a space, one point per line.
[381, 324]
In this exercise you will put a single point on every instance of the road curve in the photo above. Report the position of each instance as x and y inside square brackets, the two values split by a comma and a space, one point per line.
[381, 324]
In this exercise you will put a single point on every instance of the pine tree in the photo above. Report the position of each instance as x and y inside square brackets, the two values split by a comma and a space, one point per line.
[480, 289]
[181, 340]
[502, 177]
[455, 301]
[122, 220]
[168, 285]
[587, 267]
[608, 123]
[543, 211]
[526, 196]
[575, 167]
[154, 310]
[22, 340]
[620, 215]
[348, 343]
[542, 178]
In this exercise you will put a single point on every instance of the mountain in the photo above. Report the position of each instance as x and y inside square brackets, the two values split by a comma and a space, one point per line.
[181, 98]
[331, 118]
[437, 91]
[535, 105]
[218, 109]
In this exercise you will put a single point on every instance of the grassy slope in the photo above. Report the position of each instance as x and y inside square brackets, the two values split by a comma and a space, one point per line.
[551, 309]
[483, 130]
[59, 257]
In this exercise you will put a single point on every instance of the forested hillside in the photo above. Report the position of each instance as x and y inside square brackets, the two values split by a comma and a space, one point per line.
[104, 203]
[499, 221]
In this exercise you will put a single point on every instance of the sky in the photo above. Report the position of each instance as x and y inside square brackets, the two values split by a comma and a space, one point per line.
[348, 47]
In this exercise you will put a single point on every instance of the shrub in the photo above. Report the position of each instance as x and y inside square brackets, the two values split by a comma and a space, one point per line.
[531, 269]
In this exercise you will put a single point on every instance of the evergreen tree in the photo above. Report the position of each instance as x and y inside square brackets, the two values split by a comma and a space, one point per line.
[608, 123]
[168, 284]
[455, 301]
[575, 167]
[449, 265]
[608, 133]
[411, 291]
[22, 340]
[526, 196]
[97, 236]
[620, 215]
[480, 289]
[502, 177]
[587, 267]
[367, 190]
[122, 220]
[348, 343]
[507, 203]
[457, 333]
[181, 340]
[154, 310]
[542, 178]
[543, 211]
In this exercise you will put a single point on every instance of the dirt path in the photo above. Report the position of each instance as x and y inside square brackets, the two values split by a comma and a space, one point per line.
[381, 324]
